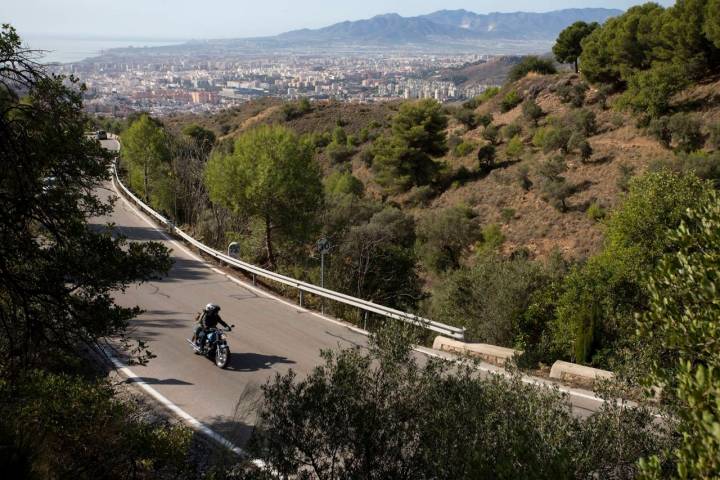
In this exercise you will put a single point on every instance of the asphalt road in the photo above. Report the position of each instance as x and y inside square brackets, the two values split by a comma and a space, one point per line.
[271, 335]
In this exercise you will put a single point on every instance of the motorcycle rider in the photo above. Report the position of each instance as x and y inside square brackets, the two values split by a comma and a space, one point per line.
[207, 319]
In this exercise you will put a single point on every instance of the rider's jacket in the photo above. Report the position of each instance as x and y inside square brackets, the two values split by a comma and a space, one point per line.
[211, 319]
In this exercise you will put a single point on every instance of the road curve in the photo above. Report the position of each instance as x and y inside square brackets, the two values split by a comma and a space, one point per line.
[271, 334]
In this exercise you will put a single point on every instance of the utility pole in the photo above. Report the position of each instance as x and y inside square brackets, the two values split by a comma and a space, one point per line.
[323, 247]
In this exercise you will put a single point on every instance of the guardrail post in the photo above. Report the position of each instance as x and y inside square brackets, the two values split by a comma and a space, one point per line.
[254, 282]
[301, 298]
[365, 320]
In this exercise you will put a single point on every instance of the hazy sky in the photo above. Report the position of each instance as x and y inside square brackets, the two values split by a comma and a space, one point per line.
[185, 19]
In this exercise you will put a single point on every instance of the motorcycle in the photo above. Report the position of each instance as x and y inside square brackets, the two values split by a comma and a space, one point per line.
[215, 347]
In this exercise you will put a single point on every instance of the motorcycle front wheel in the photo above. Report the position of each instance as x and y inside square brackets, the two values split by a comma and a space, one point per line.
[222, 357]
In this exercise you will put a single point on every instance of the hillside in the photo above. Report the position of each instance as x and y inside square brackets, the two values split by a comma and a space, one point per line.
[527, 221]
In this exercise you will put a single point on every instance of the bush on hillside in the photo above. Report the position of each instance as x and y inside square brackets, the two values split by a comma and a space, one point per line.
[467, 117]
[515, 148]
[486, 158]
[491, 133]
[531, 111]
[686, 132]
[444, 237]
[511, 100]
[555, 188]
[463, 149]
[511, 130]
[533, 64]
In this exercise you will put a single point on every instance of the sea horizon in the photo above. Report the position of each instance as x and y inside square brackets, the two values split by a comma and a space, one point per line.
[70, 49]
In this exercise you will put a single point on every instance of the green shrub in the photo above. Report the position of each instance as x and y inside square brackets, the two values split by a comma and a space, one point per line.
[488, 94]
[339, 152]
[531, 111]
[659, 128]
[485, 119]
[486, 158]
[366, 156]
[343, 183]
[420, 196]
[439, 420]
[444, 236]
[680, 331]
[491, 134]
[511, 100]
[686, 132]
[595, 311]
[552, 138]
[585, 150]
[595, 212]
[510, 131]
[531, 64]
[555, 188]
[522, 177]
[577, 94]
[703, 164]
[579, 143]
[515, 148]
[63, 426]
[467, 117]
[297, 109]
[582, 121]
[464, 148]
[488, 298]
[471, 104]
[649, 91]
[564, 92]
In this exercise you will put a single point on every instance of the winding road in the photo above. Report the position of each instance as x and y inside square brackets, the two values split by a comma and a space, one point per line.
[271, 334]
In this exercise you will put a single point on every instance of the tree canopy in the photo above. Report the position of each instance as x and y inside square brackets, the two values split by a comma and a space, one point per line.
[405, 158]
[270, 175]
[567, 48]
[58, 270]
[146, 152]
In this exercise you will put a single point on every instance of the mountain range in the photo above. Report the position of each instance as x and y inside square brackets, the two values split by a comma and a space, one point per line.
[458, 25]
[441, 31]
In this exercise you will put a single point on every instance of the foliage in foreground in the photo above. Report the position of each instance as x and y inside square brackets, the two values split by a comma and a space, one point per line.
[681, 329]
[64, 426]
[58, 271]
[380, 414]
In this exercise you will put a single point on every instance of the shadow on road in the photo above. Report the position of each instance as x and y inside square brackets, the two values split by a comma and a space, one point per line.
[157, 381]
[252, 362]
[131, 233]
[238, 427]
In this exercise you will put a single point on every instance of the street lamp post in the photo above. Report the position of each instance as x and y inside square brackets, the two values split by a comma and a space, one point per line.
[323, 247]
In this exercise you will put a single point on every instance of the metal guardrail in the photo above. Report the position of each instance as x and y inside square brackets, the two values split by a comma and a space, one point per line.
[448, 330]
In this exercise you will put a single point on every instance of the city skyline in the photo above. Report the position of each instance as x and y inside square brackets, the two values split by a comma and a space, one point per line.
[182, 19]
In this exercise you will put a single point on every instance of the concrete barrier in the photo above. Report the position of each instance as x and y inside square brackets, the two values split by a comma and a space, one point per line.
[572, 372]
[489, 353]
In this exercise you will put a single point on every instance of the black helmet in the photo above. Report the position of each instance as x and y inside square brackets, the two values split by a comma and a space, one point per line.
[210, 307]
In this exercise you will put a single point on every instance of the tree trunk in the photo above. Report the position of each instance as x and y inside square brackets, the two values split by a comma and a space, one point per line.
[576, 66]
[268, 244]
